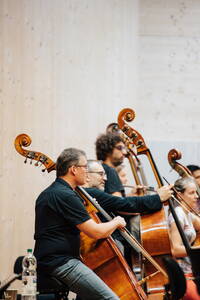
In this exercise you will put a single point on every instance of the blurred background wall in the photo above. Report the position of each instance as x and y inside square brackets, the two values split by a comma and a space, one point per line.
[68, 67]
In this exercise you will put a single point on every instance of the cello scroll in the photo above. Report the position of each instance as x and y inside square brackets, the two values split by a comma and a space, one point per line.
[183, 171]
[173, 156]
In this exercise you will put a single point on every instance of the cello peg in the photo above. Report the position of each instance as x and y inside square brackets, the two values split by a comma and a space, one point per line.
[134, 135]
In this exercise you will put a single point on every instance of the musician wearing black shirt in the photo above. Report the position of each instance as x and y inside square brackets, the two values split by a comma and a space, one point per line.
[115, 204]
[60, 216]
[111, 151]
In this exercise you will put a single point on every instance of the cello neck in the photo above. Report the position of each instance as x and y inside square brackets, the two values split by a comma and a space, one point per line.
[142, 174]
[134, 169]
[154, 168]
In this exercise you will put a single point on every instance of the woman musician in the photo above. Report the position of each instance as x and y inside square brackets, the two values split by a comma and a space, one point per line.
[186, 192]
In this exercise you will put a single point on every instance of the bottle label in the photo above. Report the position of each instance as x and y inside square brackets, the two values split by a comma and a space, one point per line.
[29, 285]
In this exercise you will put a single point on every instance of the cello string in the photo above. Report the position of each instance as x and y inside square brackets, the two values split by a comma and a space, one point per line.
[136, 167]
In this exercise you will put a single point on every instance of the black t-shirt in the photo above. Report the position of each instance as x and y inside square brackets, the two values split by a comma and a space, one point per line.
[113, 183]
[57, 239]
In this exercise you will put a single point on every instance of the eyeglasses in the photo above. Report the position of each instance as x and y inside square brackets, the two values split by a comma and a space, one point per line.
[120, 148]
[82, 166]
[101, 173]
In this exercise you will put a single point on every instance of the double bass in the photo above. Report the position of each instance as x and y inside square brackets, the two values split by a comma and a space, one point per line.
[102, 256]
[154, 227]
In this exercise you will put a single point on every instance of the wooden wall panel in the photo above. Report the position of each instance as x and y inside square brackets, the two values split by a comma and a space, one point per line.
[66, 69]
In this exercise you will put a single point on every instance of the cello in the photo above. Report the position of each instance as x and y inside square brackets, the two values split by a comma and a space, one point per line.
[102, 256]
[154, 227]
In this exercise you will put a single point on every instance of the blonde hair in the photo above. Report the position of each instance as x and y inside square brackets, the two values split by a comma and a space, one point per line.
[181, 183]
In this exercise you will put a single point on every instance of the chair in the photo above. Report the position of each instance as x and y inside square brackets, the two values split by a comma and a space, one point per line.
[50, 287]
[176, 287]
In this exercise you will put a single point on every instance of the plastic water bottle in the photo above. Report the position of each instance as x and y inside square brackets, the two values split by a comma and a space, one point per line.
[29, 276]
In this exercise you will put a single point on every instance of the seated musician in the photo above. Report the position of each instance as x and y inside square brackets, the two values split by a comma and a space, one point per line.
[140, 204]
[60, 216]
[190, 224]
[136, 190]
[111, 150]
[195, 170]
[122, 174]
[116, 204]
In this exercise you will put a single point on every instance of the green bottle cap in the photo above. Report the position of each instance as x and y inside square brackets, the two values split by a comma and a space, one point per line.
[29, 250]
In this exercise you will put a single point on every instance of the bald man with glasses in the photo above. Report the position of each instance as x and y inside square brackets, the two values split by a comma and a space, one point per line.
[115, 204]
[96, 175]
[135, 204]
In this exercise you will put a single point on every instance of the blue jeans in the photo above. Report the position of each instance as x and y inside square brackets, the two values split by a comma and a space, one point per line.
[83, 281]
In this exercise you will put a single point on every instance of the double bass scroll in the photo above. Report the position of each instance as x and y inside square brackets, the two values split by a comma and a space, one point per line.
[127, 114]
[173, 156]
[23, 140]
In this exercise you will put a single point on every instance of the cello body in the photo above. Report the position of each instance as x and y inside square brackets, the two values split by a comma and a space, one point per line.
[155, 238]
